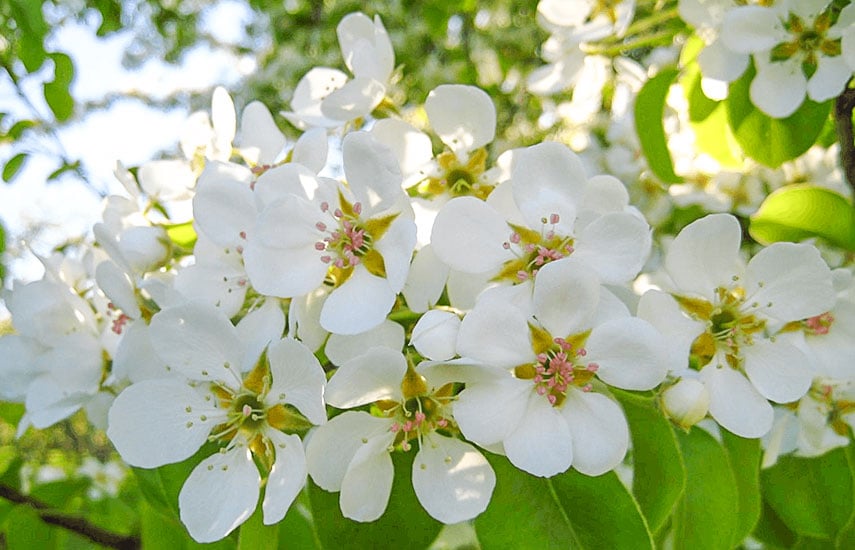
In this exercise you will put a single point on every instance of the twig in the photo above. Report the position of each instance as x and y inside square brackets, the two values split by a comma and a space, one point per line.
[76, 524]
[843, 108]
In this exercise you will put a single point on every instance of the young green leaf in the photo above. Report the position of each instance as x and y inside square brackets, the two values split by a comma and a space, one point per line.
[57, 94]
[744, 456]
[13, 166]
[799, 212]
[649, 109]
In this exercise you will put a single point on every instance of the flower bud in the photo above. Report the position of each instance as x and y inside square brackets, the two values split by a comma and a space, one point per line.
[686, 402]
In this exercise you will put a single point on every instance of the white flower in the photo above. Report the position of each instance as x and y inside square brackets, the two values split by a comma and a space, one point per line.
[545, 414]
[784, 39]
[164, 420]
[727, 308]
[351, 453]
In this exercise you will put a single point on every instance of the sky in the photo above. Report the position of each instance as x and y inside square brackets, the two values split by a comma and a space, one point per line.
[127, 131]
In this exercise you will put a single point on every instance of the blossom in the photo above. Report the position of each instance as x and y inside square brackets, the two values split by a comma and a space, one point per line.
[721, 313]
[250, 395]
[452, 480]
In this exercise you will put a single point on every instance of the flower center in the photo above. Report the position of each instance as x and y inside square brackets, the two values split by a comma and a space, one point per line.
[533, 250]
[457, 179]
[807, 42]
[560, 364]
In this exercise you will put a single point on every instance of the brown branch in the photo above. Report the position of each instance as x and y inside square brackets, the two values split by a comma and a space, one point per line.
[843, 108]
[76, 524]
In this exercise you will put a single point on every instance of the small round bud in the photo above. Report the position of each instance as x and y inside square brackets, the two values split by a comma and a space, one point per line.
[686, 403]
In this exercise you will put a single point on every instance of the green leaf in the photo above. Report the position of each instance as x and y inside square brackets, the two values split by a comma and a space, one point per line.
[744, 456]
[709, 121]
[570, 510]
[111, 16]
[182, 235]
[405, 524]
[57, 92]
[798, 212]
[26, 531]
[18, 129]
[254, 535]
[298, 530]
[773, 141]
[812, 496]
[13, 166]
[771, 531]
[707, 516]
[164, 532]
[649, 109]
[660, 477]
[10, 412]
[32, 29]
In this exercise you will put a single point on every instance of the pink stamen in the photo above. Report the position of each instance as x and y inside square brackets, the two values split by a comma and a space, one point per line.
[553, 218]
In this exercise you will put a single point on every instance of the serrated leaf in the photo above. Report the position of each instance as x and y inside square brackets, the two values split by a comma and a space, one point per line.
[570, 510]
[649, 110]
[744, 456]
[57, 93]
[13, 166]
[799, 212]
[405, 524]
[660, 477]
[707, 517]
[824, 486]
[772, 141]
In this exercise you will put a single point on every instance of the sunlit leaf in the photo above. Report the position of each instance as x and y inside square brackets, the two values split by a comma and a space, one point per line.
[182, 235]
[799, 212]
[649, 110]
[57, 93]
[772, 141]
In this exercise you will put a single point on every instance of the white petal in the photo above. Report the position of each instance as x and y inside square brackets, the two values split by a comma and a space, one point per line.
[259, 328]
[372, 171]
[735, 403]
[118, 287]
[298, 379]
[367, 484]
[16, 369]
[344, 347]
[360, 304]
[718, 62]
[435, 335]
[199, 342]
[631, 354]
[311, 149]
[412, 147]
[425, 280]
[217, 282]
[796, 282]
[566, 293]
[220, 494]
[599, 430]
[487, 412]
[662, 311]
[315, 85]
[224, 120]
[496, 333]
[604, 194]
[167, 179]
[778, 89]
[150, 425]
[468, 235]
[830, 78]
[548, 178]
[779, 371]
[224, 207]
[355, 99]
[331, 447]
[751, 29]
[135, 358]
[452, 480]
[287, 477]
[374, 375]
[705, 255]
[365, 46]
[260, 140]
[463, 117]
[615, 245]
[541, 444]
[396, 247]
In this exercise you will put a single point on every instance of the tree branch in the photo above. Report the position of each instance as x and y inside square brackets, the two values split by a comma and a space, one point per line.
[843, 108]
[76, 524]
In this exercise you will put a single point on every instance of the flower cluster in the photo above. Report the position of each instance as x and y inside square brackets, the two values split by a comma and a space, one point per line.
[304, 309]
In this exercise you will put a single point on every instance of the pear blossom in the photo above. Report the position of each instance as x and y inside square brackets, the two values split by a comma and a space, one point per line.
[250, 395]
[538, 369]
[549, 210]
[413, 405]
[325, 97]
[721, 313]
[784, 38]
[358, 238]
